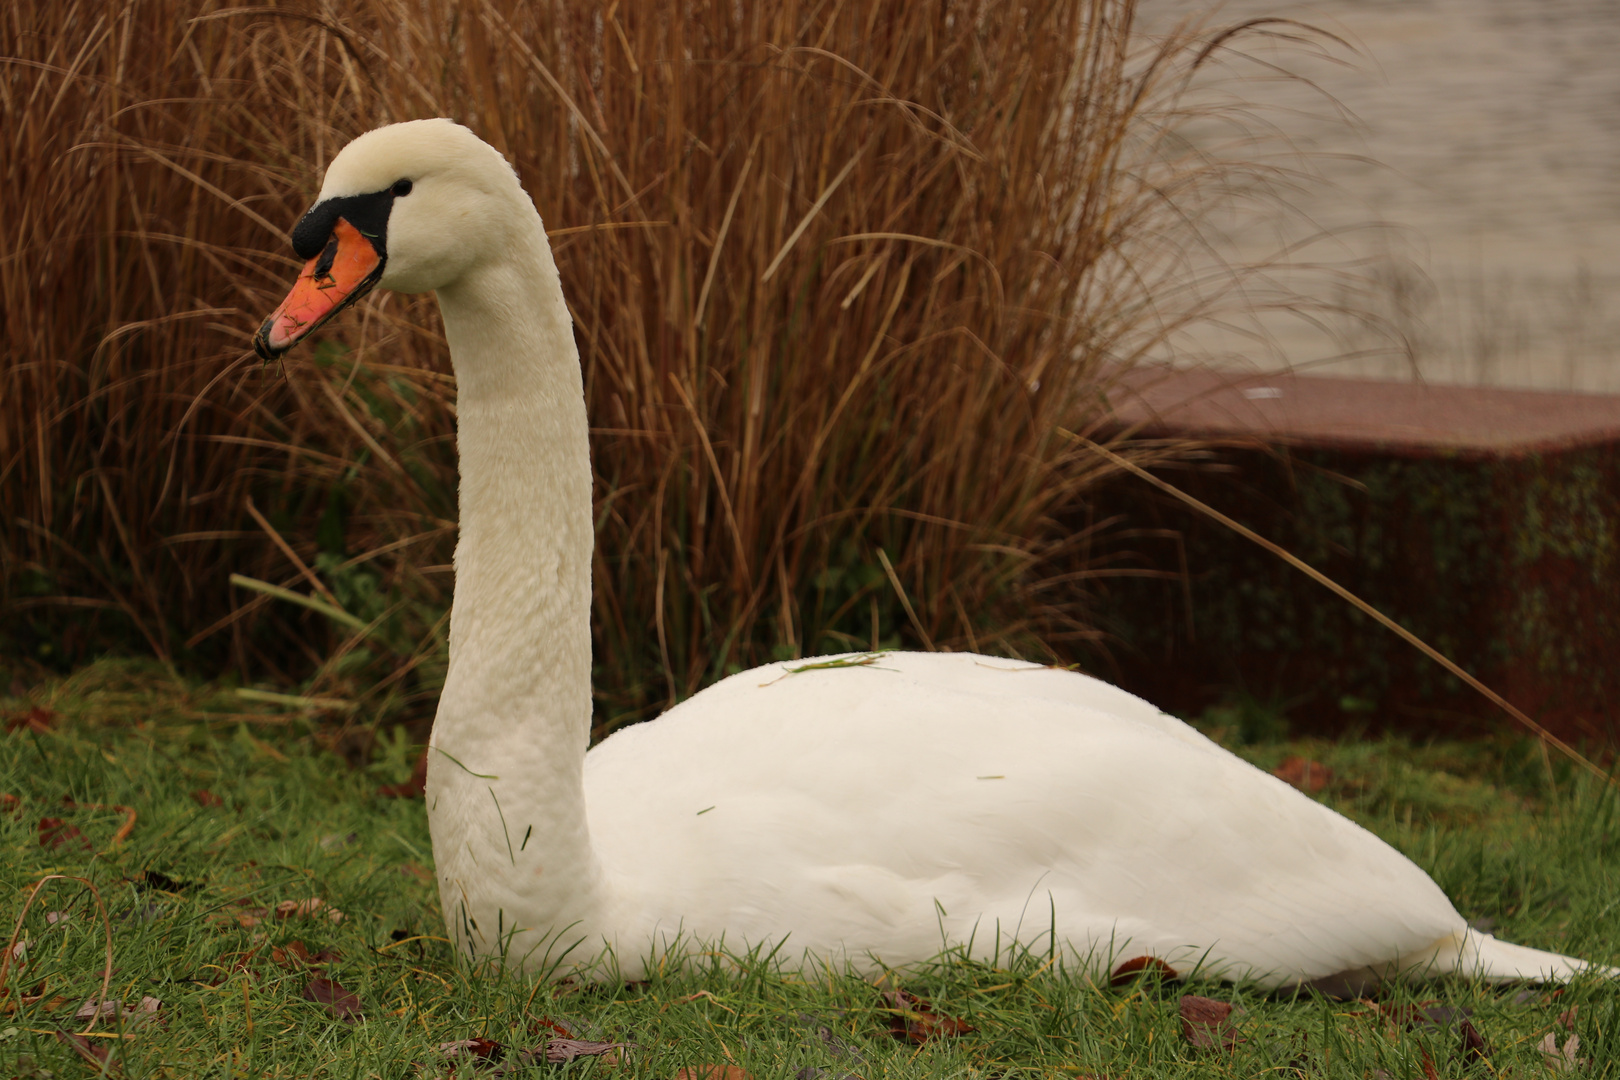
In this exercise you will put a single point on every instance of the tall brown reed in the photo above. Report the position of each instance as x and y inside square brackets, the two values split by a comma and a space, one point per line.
[840, 270]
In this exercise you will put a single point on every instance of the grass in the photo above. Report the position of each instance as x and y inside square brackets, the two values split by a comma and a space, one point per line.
[839, 272]
[1531, 848]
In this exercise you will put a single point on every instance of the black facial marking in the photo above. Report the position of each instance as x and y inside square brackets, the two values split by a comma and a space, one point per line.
[323, 267]
[367, 213]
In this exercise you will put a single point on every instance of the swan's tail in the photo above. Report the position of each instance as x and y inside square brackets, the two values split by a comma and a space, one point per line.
[1476, 955]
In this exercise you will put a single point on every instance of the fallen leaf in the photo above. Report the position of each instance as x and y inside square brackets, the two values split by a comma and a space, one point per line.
[246, 918]
[1561, 1059]
[95, 1055]
[561, 1051]
[294, 909]
[291, 955]
[417, 871]
[916, 1021]
[1137, 966]
[479, 1049]
[1474, 1047]
[1309, 776]
[341, 1003]
[94, 1010]
[147, 1008]
[207, 798]
[1566, 1019]
[55, 833]
[296, 954]
[1208, 1024]
[550, 1025]
[10, 804]
[1429, 1016]
[714, 1072]
[38, 720]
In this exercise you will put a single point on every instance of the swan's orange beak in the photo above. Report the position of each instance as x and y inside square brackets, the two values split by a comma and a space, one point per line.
[345, 270]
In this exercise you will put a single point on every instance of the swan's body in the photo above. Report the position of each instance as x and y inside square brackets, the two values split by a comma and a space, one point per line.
[873, 812]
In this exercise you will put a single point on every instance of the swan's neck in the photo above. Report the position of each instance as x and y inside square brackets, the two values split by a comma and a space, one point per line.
[505, 797]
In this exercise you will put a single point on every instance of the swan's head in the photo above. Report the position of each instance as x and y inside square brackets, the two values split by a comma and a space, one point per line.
[410, 207]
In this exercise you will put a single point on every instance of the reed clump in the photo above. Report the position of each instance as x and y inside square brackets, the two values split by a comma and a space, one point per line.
[840, 273]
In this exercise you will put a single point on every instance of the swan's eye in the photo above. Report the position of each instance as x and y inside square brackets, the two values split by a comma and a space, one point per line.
[401, 188]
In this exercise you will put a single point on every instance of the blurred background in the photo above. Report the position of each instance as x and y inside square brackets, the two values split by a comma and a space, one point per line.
[853, 285]
[1458, 194]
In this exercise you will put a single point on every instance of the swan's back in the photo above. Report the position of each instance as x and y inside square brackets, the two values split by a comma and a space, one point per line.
[886, 809]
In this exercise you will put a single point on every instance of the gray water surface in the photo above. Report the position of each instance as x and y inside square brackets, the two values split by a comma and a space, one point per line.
[1467, 155]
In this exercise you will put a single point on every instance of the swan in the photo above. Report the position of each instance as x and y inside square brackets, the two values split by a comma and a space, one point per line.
[870, 809]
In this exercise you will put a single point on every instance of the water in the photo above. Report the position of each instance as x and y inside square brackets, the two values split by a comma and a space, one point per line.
[1471, 206]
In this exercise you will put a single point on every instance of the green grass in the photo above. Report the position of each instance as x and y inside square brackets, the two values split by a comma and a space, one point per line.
[1532, 848]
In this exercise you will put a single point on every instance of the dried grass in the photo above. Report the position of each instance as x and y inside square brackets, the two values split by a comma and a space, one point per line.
[840, 272]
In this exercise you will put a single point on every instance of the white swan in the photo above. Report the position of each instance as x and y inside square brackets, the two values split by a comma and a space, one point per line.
[871, 812]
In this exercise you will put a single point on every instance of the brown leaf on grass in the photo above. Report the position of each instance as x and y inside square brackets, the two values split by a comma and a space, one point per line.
[1566, 1019]
[1561, 1058]
[97, 1010]
[55, 833]
[1311, 777]
[1138, 966]
[10, 804]
[207, 798]
[1208, 1024]
[38, 720]
[92, 1053]
[714, 1072]
[562, 1051]
[477, 1049]
[1430, 1016]
[415, 787]
[1474, 1047]
[550, 1025]
[295, 955]
[341, 1003]
[247, 918]
[146, 1009]
[308, 909]
[417, 871]
[916, 1021]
